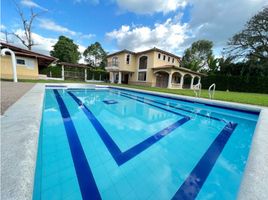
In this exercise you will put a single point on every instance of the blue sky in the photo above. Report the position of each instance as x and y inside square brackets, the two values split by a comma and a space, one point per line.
[133, 24]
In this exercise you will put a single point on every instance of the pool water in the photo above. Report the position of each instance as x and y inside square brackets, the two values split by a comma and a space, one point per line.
[122, 144]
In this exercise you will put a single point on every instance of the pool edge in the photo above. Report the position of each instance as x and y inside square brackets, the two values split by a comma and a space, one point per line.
[19, 151]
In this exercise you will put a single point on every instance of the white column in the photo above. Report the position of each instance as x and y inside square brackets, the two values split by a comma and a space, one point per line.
[85, 74]
[119, 77]
[181, 81]
[112, 77]
[169, 80]
[199, 79]
[192, 82]
[62, 72]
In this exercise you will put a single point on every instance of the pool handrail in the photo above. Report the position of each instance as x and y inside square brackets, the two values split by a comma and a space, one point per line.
[197, 89]
[213, 87]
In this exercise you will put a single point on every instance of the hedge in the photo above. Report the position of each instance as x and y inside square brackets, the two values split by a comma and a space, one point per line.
[54, 72]
[237, 83]
[97, 75]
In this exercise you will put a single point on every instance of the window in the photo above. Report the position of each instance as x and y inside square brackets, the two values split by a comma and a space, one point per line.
[164, 57]
[143, 62]
[173, 60]
[159, 55]
[142, 76]
[20, 61]
[168, 59]
[114, 61]
[128, 59]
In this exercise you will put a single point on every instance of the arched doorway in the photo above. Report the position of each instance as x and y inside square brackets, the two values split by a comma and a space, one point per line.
[187, 81]
[196, 80]
[176, 80]
[162, 79]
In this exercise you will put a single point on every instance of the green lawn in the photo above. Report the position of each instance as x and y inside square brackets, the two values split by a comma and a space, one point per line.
[240, 97]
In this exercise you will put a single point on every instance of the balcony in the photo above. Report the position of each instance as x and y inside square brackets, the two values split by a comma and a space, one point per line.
[113, 66]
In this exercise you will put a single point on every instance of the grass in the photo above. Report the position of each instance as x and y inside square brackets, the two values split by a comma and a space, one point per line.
[240, 97]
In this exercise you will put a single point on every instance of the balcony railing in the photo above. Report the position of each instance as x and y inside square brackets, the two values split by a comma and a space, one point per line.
[113, 64]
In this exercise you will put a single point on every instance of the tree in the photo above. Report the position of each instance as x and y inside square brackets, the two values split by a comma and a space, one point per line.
[196, 57]
[26, 39]
[213, 65]
[95, 55]
[252, 42]
[66, 50]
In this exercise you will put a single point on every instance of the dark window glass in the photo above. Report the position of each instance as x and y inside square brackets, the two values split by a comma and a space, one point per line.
[143, 62]
[142, 76]
[173, 60]
[168, 59]
[164, 57]
[20, 61]
[128, 59]
[159, 56]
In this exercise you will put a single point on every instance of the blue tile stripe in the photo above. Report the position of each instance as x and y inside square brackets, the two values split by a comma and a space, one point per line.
[171, 106]
[53, 86]
[84, 175]
[129, 154]
[185, 100]
[194, 182]
[110, 101]
[123, 157]
[108, 141]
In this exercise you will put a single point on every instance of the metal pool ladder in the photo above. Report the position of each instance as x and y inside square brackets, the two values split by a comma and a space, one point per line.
[197, 89]
[211, 93]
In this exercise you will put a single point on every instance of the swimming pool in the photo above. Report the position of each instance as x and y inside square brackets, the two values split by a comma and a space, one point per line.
[108, 143]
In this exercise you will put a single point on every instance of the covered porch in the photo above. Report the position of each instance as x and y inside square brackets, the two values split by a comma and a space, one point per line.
[119, 77]
[174, 77]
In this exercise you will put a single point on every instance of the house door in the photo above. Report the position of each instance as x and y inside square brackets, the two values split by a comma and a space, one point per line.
[125, 79]
[162, 79]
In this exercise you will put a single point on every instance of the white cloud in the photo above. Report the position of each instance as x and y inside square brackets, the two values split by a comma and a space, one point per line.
[94, 2]
[168, 36]
[32, 4]
[224, 18]
[150, 6]
[87, 36]
[213, 20]
[81, 49]
[2, 27]
[52, 26]
[43, 44]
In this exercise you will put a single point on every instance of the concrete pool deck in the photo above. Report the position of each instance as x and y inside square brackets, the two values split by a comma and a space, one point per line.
[11, 92]
[20, 132]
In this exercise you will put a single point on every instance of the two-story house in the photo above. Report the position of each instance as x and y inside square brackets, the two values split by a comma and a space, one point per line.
[153, 67]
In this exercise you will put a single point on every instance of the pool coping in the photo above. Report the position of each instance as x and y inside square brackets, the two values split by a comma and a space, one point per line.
[20, 125]
[254, 181]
